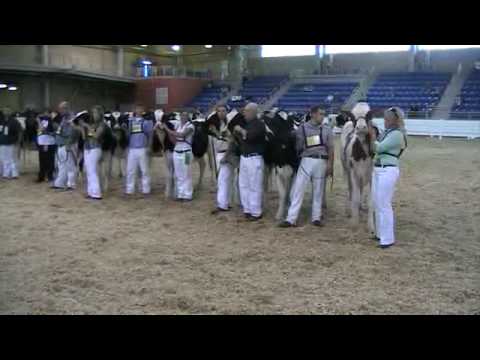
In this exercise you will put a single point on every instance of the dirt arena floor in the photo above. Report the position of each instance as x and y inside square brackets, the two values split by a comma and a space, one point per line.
[63, 254]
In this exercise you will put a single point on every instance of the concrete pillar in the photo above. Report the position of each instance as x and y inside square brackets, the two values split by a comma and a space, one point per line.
[46, 93]
[238, 64]
[120, 61]
[45, 55]
[411, 58]
[428, 64]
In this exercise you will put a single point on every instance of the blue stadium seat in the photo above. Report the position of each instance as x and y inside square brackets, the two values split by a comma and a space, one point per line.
[421, 89]
[301, 97]
[470, 98]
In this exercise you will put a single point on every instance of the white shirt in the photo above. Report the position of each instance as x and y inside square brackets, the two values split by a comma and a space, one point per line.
[219, 145]
[184, 144]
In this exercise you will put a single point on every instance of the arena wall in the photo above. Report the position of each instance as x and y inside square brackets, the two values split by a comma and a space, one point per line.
[81, 92]
[440, 60]
[180, 91]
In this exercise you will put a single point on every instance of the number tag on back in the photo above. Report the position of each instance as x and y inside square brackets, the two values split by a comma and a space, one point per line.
[136, 128]
[313, 140]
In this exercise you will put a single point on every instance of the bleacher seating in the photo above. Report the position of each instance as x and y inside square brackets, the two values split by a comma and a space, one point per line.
[261, 88]
[302, 97]
[470, 99]
[207, 98]
[409, 90]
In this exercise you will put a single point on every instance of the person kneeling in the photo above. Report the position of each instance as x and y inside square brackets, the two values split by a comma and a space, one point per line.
[315, 145]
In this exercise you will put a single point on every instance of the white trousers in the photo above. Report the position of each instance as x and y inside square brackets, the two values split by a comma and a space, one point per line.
[383, 189]
[310, 170]
[137, 158]
[251, 184]
[67, 168]
[91, 159]
[224, 183]
[170, 187]
[183, 174]
[8, 161]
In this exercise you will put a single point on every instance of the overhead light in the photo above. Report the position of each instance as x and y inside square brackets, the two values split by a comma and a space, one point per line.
[146, 62]
[12, 88]
[3, 86]
[143, 45]
[176, 47]
[208, 46]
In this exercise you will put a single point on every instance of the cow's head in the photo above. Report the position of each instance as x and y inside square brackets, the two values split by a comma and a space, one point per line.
[363, 116]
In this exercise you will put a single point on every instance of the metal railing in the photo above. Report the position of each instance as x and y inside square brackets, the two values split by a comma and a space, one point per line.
[171, 71]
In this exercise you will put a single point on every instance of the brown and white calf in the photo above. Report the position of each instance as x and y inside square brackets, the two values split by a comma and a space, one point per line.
[357, 162]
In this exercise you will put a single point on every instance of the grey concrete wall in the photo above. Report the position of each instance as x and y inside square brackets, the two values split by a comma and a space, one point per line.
[281, 65]
[448, 60]
[441, 60]
[20, 54]
[82, 93]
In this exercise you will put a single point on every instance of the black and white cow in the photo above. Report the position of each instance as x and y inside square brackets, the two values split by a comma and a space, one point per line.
[281, 156]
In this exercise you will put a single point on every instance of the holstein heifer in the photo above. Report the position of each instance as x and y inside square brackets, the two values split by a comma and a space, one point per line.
[281, 155]
[357, 161]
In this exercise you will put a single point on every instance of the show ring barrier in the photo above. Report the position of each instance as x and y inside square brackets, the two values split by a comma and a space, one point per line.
[469, 129]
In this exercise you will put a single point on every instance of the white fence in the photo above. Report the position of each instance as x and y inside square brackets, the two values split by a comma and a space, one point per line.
[469, 129]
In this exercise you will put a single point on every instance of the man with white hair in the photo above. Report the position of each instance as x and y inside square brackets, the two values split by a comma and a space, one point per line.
[252, 148]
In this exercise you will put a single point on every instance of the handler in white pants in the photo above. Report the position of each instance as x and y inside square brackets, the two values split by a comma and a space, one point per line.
[251, 185]
[225, 169]
[10, 170]
[225, 183]
[92, 158]
[140, 132]
[10, 130]
[66, 137]
[314, 143]
[183, 157]
[92, 134]
[170, 188]
[388, 150]
[252, 165]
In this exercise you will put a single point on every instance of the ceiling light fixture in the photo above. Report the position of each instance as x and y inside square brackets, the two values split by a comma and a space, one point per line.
[208, 46]
[176, 47]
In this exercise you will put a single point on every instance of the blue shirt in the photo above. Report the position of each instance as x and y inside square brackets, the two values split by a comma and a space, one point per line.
[139, 131]
[66, 134]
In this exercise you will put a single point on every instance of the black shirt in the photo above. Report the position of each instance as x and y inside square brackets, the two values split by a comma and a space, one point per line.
[10, 130]
[255, 142]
